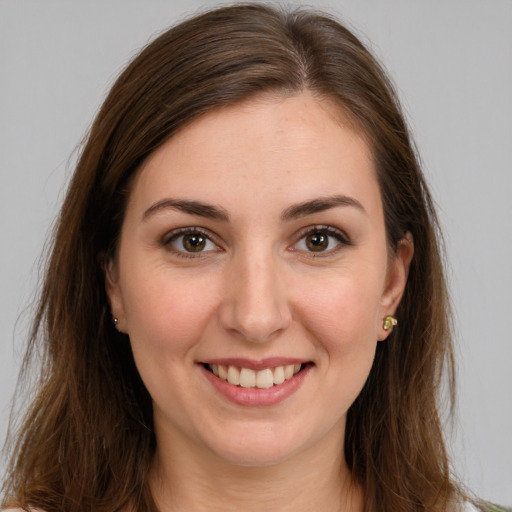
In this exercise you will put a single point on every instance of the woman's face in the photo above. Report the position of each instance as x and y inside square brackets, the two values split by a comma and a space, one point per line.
[253, 277]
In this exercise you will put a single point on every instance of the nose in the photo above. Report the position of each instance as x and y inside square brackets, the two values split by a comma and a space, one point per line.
[255, 305]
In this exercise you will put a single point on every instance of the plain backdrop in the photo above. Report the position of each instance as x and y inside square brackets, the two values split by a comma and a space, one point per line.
[452, 63]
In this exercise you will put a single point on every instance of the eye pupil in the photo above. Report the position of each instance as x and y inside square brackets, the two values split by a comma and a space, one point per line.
[194, 242]
[317, 242]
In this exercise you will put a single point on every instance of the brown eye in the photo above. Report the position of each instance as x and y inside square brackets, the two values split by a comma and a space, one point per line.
[317, 242]
[190, 241]
[194, 242]
[322, 240]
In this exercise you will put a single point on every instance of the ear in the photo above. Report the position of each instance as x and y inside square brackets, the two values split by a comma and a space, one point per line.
[114, 295]
[396, 280]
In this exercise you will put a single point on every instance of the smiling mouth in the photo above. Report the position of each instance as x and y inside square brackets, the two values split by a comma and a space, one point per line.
[248, 378]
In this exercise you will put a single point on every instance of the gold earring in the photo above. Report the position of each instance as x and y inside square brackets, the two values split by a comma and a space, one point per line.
[389, 322]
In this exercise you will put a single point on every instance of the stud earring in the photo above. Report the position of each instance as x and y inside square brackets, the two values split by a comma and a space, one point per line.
[115, 321]
[389, 322]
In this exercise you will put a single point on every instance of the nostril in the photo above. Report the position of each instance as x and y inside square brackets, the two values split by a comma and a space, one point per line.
[255, 307]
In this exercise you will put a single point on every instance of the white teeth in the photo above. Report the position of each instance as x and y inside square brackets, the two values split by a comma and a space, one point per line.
[279, 375]
[234, 375]
[288, 371]
[223, 371]
[264, 379]
[247, 378]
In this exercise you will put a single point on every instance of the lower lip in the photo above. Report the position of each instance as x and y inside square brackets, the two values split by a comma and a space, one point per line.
[255, 397]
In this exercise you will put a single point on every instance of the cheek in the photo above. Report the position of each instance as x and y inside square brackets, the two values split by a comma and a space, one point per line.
[343, 311]
[343, 320]
[167, 312]
[167, 318]
[342, 324]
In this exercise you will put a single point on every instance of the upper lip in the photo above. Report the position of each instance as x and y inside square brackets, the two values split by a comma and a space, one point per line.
[255, 364]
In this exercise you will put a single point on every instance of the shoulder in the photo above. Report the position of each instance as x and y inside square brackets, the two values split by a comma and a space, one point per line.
[483, 507]
[21, 510]
[469, 507]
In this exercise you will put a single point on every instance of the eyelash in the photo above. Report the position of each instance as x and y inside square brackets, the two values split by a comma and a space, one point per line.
[341, 238]
[178, 233]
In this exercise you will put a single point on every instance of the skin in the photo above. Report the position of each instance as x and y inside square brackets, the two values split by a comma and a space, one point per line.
[256, 291]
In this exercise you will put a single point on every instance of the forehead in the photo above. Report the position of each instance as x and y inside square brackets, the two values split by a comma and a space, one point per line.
[296, 146]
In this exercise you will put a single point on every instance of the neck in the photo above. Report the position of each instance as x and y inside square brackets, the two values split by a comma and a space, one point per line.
[186, 478]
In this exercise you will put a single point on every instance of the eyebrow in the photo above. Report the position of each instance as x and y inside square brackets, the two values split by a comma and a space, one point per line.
[215, 212]
[319, 205]
[190, 207]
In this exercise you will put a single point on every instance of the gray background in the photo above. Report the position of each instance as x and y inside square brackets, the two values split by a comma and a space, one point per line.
[452, 63]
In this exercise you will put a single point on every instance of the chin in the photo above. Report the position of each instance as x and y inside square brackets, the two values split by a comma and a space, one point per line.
[257, 455]
[263, 446]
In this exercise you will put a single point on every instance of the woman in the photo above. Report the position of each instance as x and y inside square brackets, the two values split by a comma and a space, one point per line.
[245, 227]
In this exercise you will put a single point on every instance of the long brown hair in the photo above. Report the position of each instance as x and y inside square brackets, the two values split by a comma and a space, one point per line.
[87, 440]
